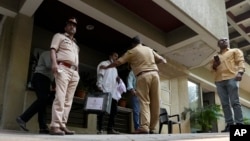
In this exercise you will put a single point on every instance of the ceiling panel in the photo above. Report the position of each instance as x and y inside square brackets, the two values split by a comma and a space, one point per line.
[152, 13]
[238, 13]
[191, 55]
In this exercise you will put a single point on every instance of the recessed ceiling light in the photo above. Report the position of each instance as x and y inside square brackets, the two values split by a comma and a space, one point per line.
[90, 27]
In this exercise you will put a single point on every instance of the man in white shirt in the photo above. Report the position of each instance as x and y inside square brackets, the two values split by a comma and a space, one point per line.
[107, 80]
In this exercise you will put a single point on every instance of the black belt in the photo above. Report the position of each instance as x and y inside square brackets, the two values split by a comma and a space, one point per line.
[68, 65]
[142, 72]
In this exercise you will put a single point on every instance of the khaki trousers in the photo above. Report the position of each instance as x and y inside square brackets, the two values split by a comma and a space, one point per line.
[148, 88]
[66, 83]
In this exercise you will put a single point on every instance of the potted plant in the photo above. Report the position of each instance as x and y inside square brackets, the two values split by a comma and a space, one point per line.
[203, 117]
[87, 84]
[122, 102]
[246, 121]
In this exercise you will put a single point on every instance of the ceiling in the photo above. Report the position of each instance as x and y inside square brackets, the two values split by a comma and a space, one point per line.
[103, 37]
[238, 15]
[106, 37]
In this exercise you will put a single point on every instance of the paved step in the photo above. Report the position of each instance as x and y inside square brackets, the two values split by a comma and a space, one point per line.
[12, 135]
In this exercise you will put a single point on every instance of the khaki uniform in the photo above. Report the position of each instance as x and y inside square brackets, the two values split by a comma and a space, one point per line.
[66, 79]
[142, 61]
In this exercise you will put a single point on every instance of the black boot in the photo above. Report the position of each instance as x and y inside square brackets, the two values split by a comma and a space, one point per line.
[239, 124]
[21, 123]
[44, 131]
[227, 128]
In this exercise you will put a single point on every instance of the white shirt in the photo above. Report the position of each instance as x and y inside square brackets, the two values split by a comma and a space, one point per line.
[121, 88]
[106, 79]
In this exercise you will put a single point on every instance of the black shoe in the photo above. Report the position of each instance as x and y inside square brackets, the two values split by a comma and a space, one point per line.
[227, 128]
[113, 132]
[239, 124]
[152, 132]
[44, 131]
[140, 131]
[21, 123]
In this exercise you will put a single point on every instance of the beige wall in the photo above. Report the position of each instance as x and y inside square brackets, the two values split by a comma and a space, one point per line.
[9, 4]
[17, 69]
[5, 43]
[174, 98]
[210, 14]
[179, 100]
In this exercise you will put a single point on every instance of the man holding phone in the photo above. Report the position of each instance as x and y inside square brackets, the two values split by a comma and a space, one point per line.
[228, 68]
[216, 62]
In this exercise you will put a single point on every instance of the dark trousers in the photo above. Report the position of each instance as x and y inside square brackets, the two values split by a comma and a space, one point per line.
[41, 85]
[111, 121]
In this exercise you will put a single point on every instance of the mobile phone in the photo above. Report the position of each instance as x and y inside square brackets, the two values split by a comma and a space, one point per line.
[216, 58]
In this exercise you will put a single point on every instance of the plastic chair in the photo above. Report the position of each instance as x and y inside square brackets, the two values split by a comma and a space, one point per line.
[166, 119]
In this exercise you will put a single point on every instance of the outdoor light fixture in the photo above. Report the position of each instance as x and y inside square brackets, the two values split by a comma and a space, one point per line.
[90, 27]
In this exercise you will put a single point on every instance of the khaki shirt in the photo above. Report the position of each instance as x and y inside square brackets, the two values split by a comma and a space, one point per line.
[232, 61]
[141, 58]
[66, 49]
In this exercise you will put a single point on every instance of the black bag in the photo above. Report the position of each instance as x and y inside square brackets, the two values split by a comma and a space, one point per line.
[98, 102]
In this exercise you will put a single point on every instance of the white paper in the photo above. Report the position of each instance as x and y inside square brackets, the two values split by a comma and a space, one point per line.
[94, 103]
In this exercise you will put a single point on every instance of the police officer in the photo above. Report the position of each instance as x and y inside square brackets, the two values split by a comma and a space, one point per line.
[64, 55]
[143, 61]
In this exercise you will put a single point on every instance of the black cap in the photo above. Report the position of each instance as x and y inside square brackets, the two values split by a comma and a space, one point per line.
[136, 40]
[72, 20]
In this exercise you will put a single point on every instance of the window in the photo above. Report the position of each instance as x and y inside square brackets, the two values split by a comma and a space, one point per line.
[194, 93]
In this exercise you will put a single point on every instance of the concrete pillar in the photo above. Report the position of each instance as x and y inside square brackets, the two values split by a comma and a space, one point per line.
[17, 69]
[5, 42]
[183, 101]
[179, 100]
